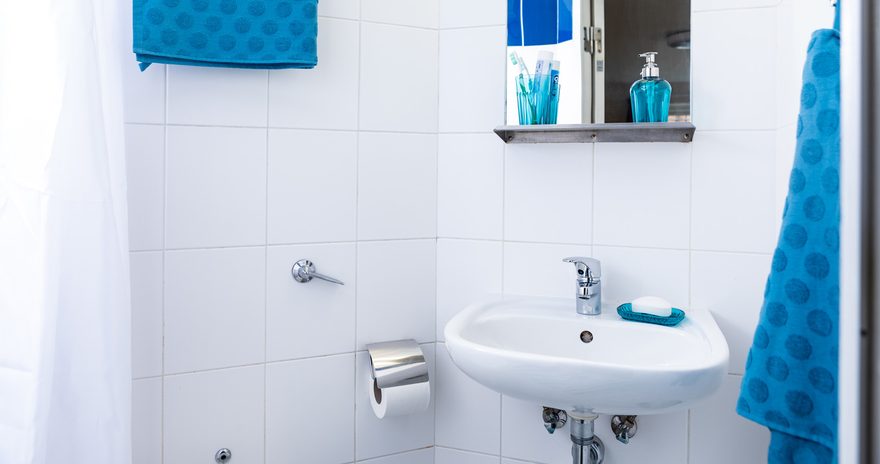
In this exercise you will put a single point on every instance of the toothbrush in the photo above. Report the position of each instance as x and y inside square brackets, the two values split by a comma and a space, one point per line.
[523, 70]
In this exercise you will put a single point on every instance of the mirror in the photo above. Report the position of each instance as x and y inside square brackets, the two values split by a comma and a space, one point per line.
[596, 45]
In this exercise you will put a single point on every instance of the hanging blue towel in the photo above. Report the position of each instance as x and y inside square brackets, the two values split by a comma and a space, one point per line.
[790, 382]
[261, 34]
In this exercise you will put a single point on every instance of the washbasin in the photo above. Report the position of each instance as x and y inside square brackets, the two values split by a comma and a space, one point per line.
[541, 350]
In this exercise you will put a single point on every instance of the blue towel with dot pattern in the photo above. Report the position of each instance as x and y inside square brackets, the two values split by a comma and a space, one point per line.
[260, 34]
[790, 382]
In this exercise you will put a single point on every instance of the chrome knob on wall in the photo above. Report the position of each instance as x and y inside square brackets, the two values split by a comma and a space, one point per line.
[223, 455]
[303, 271]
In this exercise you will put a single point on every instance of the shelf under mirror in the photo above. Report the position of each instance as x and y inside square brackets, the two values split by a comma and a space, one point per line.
[681, 132]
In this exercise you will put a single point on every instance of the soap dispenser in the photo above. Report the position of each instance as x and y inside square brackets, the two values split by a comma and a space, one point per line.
[650, 95]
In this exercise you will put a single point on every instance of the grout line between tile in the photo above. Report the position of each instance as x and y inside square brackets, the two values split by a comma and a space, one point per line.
[289, 128]
[690, 232]
[272, 362]
[287, 244]
[390, 131]
[503, 216]
[266, 280]
[476, 26]
[468, 239]
[164, 253]
[385, 23]
[396, 453]
[357, 251]
[503, 280]
[465, 450]
[436, 209]
[595, 178]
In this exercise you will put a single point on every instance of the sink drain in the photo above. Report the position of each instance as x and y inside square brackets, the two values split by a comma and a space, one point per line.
[586, 336]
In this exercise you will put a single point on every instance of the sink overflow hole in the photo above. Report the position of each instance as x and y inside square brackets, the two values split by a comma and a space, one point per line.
[586, 336]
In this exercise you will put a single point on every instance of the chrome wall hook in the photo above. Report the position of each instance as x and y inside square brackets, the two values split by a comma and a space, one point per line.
[303, 271]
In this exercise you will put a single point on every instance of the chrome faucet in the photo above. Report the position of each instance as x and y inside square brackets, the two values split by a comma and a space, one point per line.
[588, 294]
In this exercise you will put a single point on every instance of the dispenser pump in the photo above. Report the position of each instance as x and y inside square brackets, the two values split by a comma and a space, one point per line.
[650, 95]
[650, 69]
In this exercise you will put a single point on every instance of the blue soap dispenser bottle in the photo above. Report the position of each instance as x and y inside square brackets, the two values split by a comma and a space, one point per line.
[650, 95]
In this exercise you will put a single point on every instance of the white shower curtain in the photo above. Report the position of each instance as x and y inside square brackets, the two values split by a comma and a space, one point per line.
[64, 297]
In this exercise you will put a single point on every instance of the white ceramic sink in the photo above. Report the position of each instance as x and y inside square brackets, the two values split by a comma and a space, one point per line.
[531, 348]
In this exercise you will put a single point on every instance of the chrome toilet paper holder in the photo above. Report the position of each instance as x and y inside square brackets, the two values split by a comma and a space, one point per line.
[396, 363]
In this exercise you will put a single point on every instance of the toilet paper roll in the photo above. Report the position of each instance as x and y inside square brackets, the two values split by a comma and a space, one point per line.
[399, 400]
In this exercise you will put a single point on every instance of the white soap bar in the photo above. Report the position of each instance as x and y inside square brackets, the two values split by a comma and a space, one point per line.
[652, 305]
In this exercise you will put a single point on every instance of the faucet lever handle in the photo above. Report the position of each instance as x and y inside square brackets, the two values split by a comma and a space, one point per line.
[586, 267]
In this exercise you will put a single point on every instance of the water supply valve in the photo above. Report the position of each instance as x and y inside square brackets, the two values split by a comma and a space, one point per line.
[554, 419]
[624, 428]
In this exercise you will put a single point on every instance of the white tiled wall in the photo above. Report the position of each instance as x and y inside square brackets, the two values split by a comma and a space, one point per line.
[395, 184]
[236, 174]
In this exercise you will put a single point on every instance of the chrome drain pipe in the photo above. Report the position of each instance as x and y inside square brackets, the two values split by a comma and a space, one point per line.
[586, 448]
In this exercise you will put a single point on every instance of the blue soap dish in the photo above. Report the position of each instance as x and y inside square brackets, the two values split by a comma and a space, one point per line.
[625, 311]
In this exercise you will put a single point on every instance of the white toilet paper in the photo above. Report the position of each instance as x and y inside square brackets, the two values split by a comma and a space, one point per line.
[400, 400]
